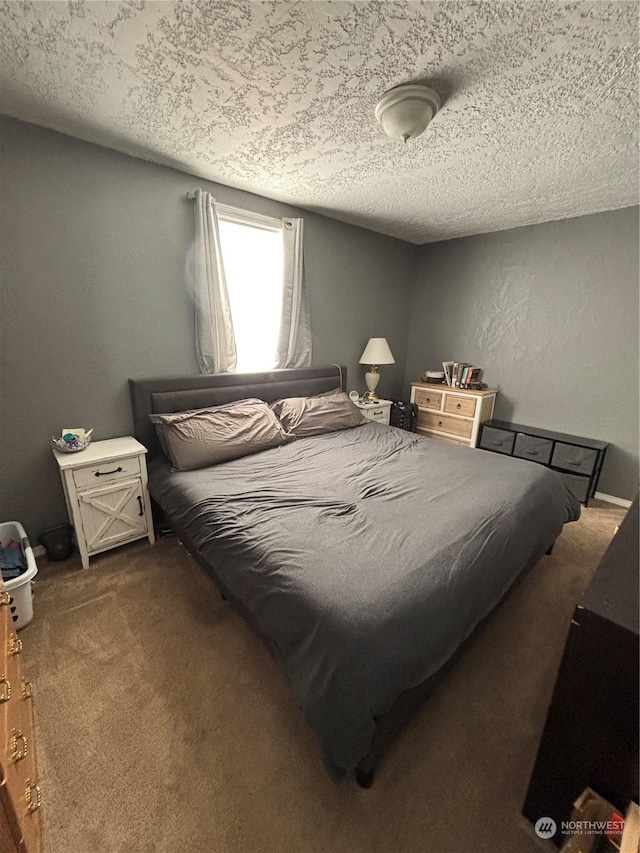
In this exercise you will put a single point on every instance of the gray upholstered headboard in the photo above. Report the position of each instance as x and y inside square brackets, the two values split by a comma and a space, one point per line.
[178, 394]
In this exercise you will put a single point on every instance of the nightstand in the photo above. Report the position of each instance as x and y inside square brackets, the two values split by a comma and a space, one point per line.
[105, 487]
[380, 411]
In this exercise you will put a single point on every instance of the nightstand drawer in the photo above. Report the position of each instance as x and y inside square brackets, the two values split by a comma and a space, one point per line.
[444, 423]
[578, 460]
[533, 448]
[428, 399]
[377, 414]
[114, 469]
[498, 440]
[458, 405]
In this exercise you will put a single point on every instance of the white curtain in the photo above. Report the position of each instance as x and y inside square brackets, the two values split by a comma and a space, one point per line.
[215, 341]
[294, 342]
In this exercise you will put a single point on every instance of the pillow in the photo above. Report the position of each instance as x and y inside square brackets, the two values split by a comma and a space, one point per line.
[304, 416]
[202, 437]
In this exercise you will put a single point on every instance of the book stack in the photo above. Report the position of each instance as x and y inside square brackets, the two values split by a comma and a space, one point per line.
[461, 374]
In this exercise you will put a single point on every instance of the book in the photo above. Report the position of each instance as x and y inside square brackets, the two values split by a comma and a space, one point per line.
[447, 366]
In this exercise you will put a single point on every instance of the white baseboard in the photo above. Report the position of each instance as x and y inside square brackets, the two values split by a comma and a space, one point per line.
[611, 499]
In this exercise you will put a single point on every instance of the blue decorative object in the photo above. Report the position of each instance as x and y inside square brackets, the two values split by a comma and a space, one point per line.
[70, 443]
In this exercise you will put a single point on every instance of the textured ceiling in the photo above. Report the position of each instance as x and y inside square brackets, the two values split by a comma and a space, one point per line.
[539, 118]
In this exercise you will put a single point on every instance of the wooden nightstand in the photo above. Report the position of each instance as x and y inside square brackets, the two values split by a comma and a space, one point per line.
[380, 411]
[105, 487]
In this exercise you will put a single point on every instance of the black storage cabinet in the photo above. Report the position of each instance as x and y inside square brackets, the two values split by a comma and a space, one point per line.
[577, 461]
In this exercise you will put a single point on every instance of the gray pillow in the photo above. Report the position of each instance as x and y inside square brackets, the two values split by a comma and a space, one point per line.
[202, 437]
[305, 416]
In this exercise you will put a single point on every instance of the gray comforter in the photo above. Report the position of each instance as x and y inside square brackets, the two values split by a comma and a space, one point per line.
[366, 557]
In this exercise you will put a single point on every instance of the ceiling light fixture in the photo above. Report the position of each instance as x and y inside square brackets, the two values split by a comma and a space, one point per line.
[405, 111]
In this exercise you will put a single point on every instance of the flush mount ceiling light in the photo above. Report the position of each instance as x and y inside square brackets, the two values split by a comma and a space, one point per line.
[405, 111]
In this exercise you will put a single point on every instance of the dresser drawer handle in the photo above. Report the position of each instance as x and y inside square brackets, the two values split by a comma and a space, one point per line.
[27, 689]
[15, 644]
[533, 452]
[575, 464]
[17, 753]
[141, 513]
[428, 399]
[118, 470]
[497, 443]
[459, 406]
[439, 423]
[6, 693]
[5, 598]
[33, 803]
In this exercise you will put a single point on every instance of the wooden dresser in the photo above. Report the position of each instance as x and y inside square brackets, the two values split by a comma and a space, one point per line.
[590, 739]
[452, 414]
[20, 825]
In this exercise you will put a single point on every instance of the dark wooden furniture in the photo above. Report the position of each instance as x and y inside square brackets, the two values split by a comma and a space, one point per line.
[578, 461]
[591, 735]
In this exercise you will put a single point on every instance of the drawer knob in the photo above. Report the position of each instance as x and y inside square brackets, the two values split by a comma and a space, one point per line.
[439, 423]
[27, 689]
[428, 399]
[15, 644]
[459, 406]
[118, 470]
[5, 598]
[33, 796]
[5, 695]
[18, 748]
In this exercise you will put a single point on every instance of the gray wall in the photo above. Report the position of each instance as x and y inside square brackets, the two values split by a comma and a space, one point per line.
[92, 271]
[551, 314]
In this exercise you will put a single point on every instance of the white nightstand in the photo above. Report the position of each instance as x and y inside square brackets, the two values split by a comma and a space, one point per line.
[380, 411]
[105, 487]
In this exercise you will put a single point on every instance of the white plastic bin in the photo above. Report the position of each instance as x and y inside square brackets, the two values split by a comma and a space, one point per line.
[20, 588]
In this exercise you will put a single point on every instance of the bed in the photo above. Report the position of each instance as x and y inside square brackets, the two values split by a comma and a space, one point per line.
[365, 558]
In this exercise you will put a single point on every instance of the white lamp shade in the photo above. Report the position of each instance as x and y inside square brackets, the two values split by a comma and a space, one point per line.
[377, 352]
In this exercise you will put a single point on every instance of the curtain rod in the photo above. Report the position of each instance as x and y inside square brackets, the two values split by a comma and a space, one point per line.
[245, 217]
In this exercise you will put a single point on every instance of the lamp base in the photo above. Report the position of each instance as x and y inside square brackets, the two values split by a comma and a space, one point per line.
[372, 377]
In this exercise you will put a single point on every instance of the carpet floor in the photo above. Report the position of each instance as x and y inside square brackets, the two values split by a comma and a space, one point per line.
[164, 725]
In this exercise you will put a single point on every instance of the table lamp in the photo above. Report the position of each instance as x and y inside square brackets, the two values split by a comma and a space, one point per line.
[376, 352]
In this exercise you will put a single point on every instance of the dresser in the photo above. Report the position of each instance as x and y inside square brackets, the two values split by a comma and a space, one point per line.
[452, 414]
[590, 739]
[20, 798]
[105, 488]
[380, 411]
[577, 461]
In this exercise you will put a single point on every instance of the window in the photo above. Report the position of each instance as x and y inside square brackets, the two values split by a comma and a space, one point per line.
[252, 254]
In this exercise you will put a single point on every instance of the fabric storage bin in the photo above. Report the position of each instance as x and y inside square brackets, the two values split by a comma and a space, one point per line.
[19, 589]
[498, 440]
[532, 447]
